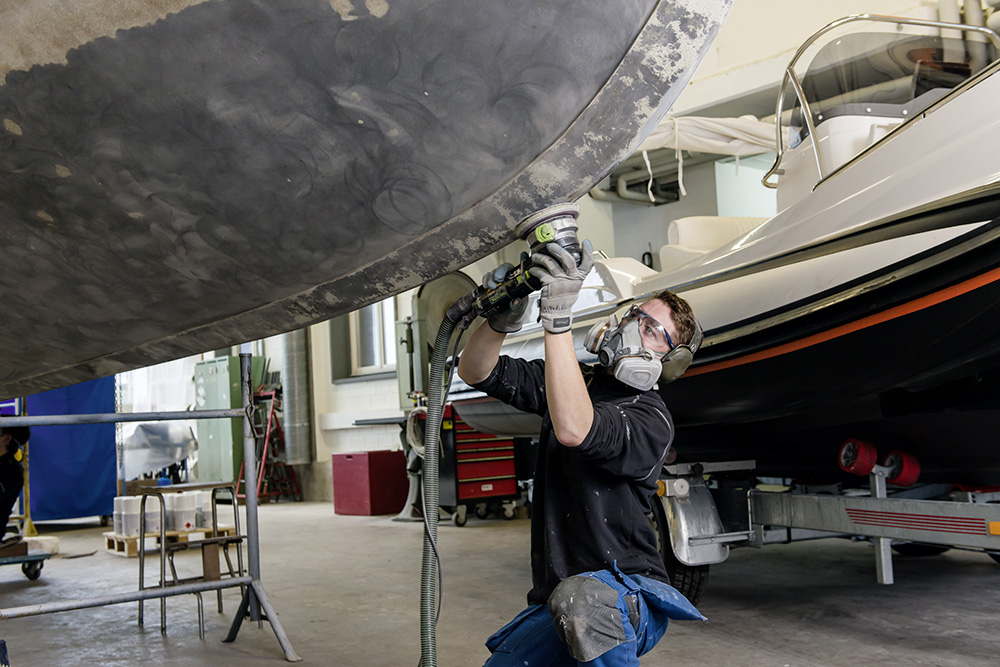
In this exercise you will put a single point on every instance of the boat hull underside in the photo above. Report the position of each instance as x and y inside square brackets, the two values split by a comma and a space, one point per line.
[952, 446]
[242, 168]
[930, 347]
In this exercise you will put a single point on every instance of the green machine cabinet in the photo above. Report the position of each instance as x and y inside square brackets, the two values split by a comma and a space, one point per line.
[220, 441]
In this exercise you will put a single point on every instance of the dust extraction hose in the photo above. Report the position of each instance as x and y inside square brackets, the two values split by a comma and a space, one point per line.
[555, 224]
[432, 449]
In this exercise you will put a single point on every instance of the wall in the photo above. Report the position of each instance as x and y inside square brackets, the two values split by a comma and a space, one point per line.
[759, 38]
[738, 188]
[336, 406]
[640, 229]
[596, 223]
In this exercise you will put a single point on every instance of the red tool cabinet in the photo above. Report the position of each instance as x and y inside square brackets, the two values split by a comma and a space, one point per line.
[475, 467]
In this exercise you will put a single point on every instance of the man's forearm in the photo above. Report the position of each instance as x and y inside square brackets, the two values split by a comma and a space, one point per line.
[569, 403]
[480, 355]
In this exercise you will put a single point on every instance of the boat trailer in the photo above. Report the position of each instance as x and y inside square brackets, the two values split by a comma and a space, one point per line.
[698, 526]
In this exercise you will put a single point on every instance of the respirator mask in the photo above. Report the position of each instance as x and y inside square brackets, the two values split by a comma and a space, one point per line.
[619, 346]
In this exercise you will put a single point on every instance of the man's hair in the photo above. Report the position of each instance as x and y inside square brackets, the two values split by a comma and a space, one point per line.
[683, 315]
[18, 434]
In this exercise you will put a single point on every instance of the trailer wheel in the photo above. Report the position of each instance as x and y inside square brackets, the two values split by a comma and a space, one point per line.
[919, 550]
[906, 468]
[858, 457]
[690, 580]
[32, 569]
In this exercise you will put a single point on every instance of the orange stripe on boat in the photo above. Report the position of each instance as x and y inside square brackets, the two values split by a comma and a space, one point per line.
[865, 322]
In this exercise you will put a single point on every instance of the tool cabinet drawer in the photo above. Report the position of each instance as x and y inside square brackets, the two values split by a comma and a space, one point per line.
[478, 468]
[487, 488]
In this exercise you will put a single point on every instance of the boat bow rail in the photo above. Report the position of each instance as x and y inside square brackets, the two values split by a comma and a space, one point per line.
[914, 72]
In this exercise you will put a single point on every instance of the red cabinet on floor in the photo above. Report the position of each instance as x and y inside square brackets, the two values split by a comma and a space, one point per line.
[369, 482]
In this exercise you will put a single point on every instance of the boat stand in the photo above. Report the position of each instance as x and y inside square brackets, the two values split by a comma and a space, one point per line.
[254, 597]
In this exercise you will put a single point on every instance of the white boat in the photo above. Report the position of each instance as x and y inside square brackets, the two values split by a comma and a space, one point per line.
[869, 306]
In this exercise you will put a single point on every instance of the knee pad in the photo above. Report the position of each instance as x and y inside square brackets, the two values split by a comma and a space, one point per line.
[586, 617]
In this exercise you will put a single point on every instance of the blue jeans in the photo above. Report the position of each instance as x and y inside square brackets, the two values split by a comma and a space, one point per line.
[581, 634]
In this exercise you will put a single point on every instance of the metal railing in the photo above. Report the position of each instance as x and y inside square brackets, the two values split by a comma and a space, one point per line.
[254, 598]
[791, 78]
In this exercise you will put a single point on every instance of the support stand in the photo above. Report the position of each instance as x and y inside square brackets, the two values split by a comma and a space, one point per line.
[883, 552]
[254, 597]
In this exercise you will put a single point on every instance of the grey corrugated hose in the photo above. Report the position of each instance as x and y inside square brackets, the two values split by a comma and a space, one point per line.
[432, 438]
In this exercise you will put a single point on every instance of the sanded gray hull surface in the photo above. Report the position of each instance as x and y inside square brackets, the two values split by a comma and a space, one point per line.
[240, 168]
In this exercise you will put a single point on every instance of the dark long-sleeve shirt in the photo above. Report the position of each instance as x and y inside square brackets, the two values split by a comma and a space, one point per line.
[590, 502]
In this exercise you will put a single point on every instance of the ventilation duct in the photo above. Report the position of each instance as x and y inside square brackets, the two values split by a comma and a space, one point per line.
[296, 398]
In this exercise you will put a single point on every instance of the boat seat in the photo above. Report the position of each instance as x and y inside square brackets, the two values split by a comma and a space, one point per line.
[691, 237]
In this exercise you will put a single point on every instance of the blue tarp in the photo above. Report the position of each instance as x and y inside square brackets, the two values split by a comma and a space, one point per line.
[73, 467]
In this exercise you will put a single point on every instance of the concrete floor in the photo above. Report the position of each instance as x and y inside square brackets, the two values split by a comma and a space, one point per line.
[347, 592]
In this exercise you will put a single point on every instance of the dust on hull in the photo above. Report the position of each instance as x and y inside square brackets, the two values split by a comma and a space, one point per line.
[241, 168]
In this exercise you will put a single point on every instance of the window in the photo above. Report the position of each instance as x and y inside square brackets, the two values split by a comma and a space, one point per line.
[373, 334]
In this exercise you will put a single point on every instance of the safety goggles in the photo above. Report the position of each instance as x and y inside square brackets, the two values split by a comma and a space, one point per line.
[650, 328]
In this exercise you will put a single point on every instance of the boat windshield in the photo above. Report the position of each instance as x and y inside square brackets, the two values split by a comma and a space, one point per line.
[883, 74]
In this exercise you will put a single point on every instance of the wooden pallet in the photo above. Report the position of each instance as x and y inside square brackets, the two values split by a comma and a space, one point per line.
[128, 545]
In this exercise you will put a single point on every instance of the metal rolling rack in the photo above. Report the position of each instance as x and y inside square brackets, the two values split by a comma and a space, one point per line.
[254, 602]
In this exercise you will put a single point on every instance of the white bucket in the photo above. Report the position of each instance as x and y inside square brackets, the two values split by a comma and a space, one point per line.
[130, 515]
[152, 515]
[203, 509]
[184, 519]
[168, 509]
[116, 516]
[184, 511]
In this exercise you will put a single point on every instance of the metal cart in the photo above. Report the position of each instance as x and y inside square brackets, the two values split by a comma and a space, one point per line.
[31, 563]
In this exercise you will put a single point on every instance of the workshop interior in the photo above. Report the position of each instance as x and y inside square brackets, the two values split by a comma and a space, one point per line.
[246, 243]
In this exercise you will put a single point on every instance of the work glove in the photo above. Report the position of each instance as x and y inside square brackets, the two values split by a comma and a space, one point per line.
[509, 320]
[561, 280]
